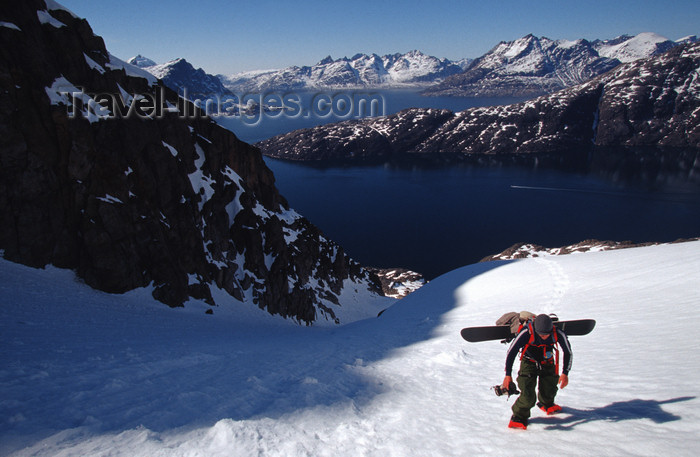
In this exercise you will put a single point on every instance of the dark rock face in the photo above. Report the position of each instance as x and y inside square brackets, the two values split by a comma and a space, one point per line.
[157, 198]
[653, 102]
[647, 103]
[182, 77]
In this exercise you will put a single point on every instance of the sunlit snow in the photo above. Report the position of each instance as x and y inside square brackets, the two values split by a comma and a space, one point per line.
[89, 373]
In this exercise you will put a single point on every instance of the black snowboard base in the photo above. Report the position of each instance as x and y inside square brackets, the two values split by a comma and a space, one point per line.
[502, 332]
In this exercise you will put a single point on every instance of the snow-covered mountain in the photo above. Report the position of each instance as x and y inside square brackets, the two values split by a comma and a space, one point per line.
[364, 71]
[181, 76]
[532, 66]
[646, 103]
[141, 61]
[132, 195]
[87, 373]
[630, 48]
[525, 67]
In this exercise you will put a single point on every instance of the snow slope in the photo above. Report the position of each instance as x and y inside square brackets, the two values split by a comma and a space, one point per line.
[88, 373]
[637, 47]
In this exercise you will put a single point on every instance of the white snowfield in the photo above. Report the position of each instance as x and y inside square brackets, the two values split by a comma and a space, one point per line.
[638, 47]
[84, 373]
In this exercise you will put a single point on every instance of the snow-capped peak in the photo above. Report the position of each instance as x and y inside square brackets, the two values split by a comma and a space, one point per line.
[413, 68]
[141, 61]
[161, 70]
[637, 47]
[533, 65]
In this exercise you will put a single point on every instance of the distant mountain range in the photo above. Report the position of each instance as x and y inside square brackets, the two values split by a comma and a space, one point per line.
[649, 102]
[529, 66]
[532, 66]
[413, 69]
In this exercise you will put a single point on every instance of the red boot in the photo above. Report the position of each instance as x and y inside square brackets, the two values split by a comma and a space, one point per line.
[549, 409]
[516, 422]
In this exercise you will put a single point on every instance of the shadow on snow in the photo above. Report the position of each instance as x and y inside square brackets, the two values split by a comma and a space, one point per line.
[238, 374]
[614, 412]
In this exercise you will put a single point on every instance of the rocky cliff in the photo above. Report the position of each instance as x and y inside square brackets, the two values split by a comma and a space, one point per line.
[647, 103]
[105, 171]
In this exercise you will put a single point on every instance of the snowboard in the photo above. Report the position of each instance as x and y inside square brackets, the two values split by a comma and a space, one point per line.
[502, 332]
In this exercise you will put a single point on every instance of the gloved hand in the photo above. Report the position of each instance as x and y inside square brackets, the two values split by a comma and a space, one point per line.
[508, 388]
[506, 382]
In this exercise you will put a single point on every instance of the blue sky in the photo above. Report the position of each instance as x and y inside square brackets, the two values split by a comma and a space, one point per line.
[231, 36]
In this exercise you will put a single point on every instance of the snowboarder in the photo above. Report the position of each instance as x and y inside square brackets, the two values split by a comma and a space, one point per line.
[539, 360]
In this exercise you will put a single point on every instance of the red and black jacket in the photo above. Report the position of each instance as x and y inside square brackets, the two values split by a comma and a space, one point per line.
[538, 350]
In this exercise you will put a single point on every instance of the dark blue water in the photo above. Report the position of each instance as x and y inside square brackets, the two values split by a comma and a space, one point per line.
[309, 109]
[433, 220]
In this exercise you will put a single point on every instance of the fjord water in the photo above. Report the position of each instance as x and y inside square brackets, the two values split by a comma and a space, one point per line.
[436, 219]
[312, 108]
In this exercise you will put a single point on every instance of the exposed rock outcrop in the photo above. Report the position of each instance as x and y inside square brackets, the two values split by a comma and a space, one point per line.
[398, 282]
[106, 171]
[528, 250]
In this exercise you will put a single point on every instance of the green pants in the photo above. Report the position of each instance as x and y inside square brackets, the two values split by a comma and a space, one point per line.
[527, 382]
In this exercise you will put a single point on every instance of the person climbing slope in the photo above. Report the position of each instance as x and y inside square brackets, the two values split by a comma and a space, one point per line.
[539, 361]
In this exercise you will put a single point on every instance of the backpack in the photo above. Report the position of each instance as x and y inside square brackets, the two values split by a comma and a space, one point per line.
[516, 321]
